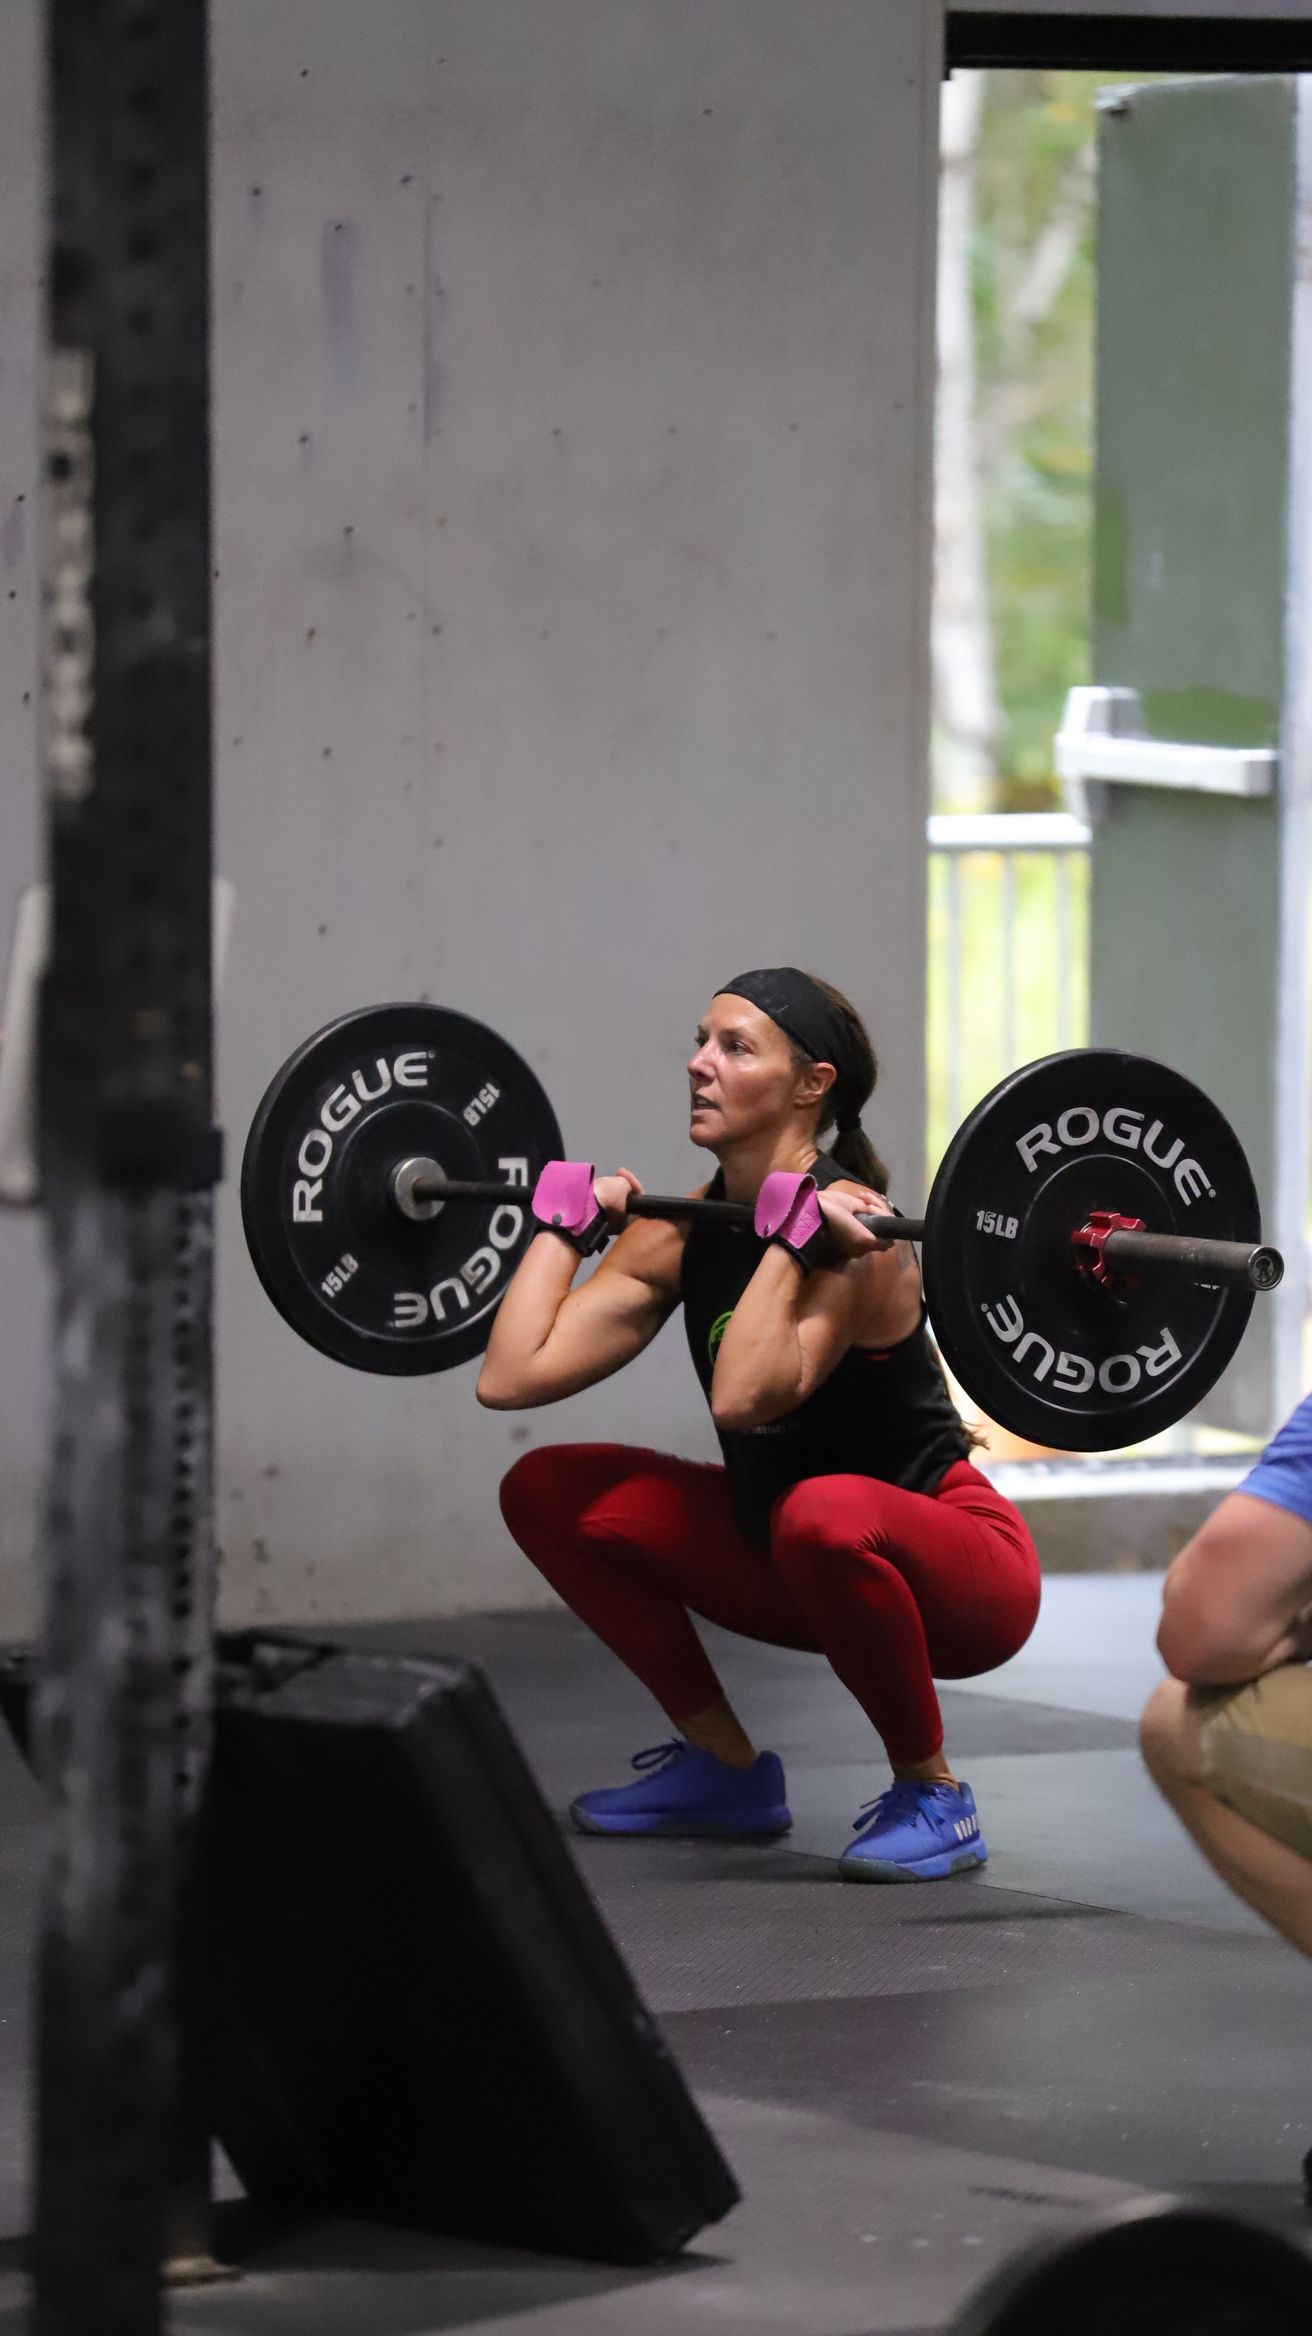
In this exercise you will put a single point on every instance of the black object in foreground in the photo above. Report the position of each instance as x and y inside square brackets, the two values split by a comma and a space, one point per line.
[424, 2018]
[417, 2013]
[1148, 2271]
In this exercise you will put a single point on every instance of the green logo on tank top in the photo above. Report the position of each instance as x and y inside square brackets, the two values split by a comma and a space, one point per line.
[718, 1329]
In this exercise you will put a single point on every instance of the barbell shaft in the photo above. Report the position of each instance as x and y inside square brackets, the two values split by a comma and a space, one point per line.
[1241, 1265]
[675, 1206]
[741, 1212]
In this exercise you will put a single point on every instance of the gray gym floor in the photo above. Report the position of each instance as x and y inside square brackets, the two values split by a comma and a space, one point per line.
[909, 2083]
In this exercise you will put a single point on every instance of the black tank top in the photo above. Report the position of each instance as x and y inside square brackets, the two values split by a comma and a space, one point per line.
[878, 1414]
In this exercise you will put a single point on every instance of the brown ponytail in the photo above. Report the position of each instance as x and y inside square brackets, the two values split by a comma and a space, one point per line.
[851, 1148]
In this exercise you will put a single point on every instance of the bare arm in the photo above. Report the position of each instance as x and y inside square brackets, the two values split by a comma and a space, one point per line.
[549, 1340]
[1236, 1602]
[790, 1330]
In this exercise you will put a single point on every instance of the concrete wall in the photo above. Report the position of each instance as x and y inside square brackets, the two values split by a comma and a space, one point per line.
[573, 372]
[573, 389]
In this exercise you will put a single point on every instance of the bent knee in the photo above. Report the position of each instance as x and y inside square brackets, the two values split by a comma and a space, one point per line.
[553, 1488]
[541, 1484]
[1168, 1734]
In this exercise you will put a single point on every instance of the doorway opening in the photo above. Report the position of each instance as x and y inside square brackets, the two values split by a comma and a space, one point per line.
[1012, 852]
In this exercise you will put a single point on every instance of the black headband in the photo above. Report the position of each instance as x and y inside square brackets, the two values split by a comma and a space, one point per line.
[803, 1012]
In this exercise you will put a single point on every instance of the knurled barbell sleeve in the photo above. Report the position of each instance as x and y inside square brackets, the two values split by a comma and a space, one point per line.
[1234, 1265]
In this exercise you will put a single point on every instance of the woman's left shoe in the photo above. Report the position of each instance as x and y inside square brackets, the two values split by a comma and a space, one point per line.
[915, 1833]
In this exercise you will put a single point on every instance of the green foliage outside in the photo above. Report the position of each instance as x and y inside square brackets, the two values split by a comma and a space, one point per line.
[995, 998]
[1035, 418]
[1033, 286]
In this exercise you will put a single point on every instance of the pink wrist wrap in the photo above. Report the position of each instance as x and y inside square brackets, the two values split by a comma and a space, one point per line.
[786, 1205]
[563, 1195]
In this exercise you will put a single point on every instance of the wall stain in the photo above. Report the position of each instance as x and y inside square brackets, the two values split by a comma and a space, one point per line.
[339, 253]
[13, 535]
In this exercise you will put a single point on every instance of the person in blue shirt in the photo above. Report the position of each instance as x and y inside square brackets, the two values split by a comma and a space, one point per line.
[1228, 1737]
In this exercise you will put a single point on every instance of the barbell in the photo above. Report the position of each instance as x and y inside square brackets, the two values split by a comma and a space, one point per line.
[1149, 2270]
[1092, 1241]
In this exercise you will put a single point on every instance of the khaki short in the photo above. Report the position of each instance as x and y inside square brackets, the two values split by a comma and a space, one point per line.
[1257, 1751]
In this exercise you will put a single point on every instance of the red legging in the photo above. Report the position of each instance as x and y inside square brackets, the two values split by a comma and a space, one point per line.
[895, 1588]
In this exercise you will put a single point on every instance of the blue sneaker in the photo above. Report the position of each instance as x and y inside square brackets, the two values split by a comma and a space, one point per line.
[683, 1791]
[915, 1833]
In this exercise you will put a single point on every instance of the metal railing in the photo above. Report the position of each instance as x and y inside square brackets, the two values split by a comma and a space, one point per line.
[1008, 952]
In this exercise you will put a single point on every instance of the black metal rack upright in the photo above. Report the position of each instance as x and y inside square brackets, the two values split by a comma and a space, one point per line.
[127, 1151]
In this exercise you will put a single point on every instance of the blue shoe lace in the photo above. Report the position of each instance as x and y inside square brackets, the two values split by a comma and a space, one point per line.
[658, 1756]
[902, 1798]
